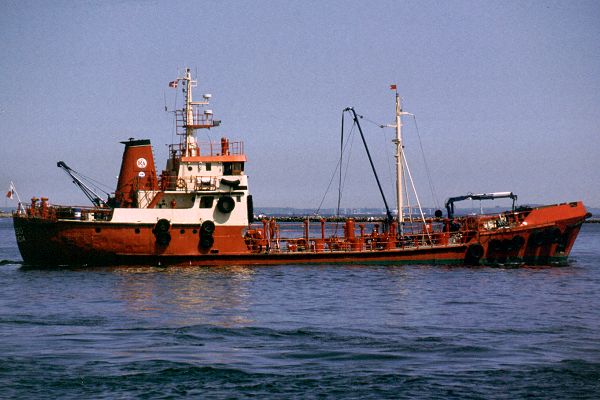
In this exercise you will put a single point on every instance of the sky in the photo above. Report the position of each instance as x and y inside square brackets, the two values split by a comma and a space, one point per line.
[506, 94]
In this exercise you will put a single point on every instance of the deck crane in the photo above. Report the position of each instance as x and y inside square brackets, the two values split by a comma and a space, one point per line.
[89, 193]
[388, 213]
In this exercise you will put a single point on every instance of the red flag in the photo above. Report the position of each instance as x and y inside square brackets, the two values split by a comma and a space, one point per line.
[393, 87]
[173, 84]
[10, 193]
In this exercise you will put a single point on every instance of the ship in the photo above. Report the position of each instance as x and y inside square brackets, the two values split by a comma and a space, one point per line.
[199, 211]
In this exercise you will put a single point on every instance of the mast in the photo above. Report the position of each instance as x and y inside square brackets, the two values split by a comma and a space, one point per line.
[190, 142]
[190, 117]
[399, 164]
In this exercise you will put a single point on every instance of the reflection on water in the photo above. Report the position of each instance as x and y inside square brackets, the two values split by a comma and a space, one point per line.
[189, 296]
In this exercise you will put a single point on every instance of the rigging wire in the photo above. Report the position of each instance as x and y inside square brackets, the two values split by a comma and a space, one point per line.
[316, 212]
[387, 156]
[349, 142]
[387, 153]
[370, 121]
[431, 186]
[416, 198]
[340, 165]
[93, 182]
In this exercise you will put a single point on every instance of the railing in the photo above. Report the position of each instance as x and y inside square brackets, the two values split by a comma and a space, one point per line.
[349, 235]
[204, 149]
[490, 222]
[43, 210]
[189, 183]
[322, 236]
[200, 119]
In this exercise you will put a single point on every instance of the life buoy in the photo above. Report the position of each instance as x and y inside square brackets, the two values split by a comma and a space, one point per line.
[226, 204]
[181, 183]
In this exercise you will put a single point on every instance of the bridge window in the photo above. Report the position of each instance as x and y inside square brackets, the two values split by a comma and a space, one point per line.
[233, 168]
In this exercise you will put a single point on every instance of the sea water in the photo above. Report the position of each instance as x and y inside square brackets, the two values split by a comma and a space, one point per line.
[301, 331]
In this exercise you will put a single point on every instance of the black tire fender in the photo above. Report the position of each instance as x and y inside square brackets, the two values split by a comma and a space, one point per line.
[517, 242]
[207, 227]
[206, 234]
[475, 251]
[226, 204]
[163, 238]
[162, 225]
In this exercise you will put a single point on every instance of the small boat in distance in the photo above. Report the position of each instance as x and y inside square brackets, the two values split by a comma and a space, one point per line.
[199, 211]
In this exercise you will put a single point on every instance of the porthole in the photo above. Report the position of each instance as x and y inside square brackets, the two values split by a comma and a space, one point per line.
[195, 231]
[182, 231]
[98, 230]
[137, 230]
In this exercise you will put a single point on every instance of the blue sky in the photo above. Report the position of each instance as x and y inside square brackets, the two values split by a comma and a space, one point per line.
[506, 94]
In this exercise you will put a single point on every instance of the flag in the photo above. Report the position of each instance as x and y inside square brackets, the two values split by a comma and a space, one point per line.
[393, 87]
[12, 191]
[173, 84]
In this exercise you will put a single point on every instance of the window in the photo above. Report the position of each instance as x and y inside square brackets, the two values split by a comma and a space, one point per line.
[206, 201]
[233, 168]
[238, 167]
[208, 166]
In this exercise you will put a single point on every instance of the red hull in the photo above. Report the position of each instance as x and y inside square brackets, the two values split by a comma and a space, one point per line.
[543, 235]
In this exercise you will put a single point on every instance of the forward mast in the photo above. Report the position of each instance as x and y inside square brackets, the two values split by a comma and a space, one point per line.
[193, 116]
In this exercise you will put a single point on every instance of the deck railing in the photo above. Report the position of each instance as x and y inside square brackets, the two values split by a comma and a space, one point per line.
[207, 148]
[323, 236]
[43, 210]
